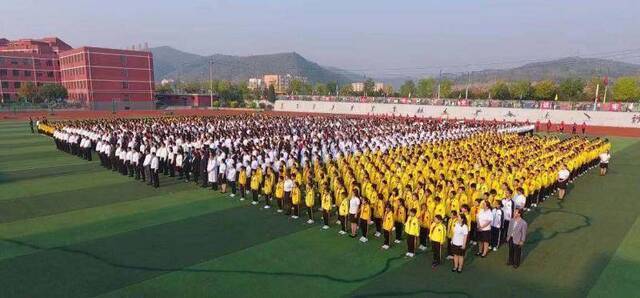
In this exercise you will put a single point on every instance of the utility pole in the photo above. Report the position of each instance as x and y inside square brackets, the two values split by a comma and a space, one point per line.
[439, 81]
[211, 81]
[466, 91]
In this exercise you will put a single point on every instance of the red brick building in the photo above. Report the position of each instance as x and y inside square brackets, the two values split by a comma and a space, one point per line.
[94, 76]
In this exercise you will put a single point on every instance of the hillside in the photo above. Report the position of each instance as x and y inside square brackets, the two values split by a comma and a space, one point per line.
[555, 70]
[170, 63]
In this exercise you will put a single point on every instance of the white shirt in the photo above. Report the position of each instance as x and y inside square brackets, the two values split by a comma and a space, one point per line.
[231, 174]
[460, 232]
[354, 204]
[497, 218]
[507, 207]
[485, 217]
[154, 163]
[604, 158]
[563, 175]
[147, 160]
[520, 200]
[288, 185]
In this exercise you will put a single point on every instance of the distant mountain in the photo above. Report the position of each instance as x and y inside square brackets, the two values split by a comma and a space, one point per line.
[554, 70]
[170, 63]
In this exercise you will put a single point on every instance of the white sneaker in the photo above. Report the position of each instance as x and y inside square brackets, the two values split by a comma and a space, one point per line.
[385, 246]
[341, 232]
[377, 234]
[310, 221]
[449, 257]
[294, 216]
[365, 240]
[254, 203]
[241, 199]
[279, 210]
[422, 247]
[534, 205]
[232, 195]
[337, 222]
[410, 254]
[407, 254]
[495, 249]
[325, 227]
[396, 241]
[266, 207]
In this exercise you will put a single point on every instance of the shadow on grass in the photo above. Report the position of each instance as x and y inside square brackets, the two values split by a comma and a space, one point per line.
[108, 262]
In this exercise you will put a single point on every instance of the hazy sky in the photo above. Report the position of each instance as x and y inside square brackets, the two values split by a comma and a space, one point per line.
[377, 37]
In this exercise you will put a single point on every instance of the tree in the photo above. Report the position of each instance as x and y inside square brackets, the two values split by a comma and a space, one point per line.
[295, 87]
[626, 88]
[346, 90]
[164, 89]
[51, 92]
[571, 89]
[387, 90]
[321, 89]
[589, 90]
[425, 88]
[521, 90]
[191, 87]
[408, 89]
[28, 91]
[331, 88]
[500, 90]
[369, 85]
[545, 90]
[271, 94]
[446, 88]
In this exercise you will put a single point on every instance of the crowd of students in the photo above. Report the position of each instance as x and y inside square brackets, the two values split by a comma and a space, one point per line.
[431, 183]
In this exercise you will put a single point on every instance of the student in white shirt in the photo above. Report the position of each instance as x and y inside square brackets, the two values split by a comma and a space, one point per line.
[231, 179]
[354, 208]
[604, 162]
[496, 226]
[155, 168]
[212, 172]
[484, 219]
[146, 169]
[288, 187]
[459, 242]
[222, 179]
[563, 180]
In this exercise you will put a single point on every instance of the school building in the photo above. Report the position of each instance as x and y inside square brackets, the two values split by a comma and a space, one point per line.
[96, 77]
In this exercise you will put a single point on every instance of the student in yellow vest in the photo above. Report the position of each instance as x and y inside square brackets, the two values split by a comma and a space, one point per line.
[378, 214]
[437, 235]
[450, 223]
[425, 221]
[267, 187]
[296, 196]
[365, 218]
[309, 201]
[242, 182]
[343, 213]
[255, 186]
[400, 218]
[280, 194]
[326, 205]
[412, 229]
[387, 225]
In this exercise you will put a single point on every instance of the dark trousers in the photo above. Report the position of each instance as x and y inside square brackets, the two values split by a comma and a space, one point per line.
[287, 202]
[387, 237]
[503, 232]
[364, 227]
[254, 193]
[156, 178]
[243, 191]
[515, 253]
[378, 222]
[495, 237]
[310, 212]
[399, 229]
[343, 222]
[325, 217]
[411, 243]
[436, 248]
[424, 235]
[296, 209]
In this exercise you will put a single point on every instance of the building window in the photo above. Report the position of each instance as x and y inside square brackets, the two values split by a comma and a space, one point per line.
[38, 74]
[50, 74]
[5, 84]
[14, 61]
[39, 84]
[125, 73]
[3, 72]
[1, 60]
[123, 60]
[26, 61]
[16, 85]
[27, 73]
[16, 73]
[125, 85]
[37, 62]
[49, 63]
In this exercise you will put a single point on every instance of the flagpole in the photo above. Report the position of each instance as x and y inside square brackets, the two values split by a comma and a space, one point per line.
[595, 102]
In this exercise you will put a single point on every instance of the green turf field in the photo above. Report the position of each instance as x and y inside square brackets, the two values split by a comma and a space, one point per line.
[69, 228]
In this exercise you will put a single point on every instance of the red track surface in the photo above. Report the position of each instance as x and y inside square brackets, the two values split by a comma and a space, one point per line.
[591, 130]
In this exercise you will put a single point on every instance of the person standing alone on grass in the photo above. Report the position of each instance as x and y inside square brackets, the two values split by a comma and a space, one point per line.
[516, 236]
[604, 162]
[354, 209]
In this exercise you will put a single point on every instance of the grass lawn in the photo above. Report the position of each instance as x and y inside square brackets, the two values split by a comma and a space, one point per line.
[69, 228]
